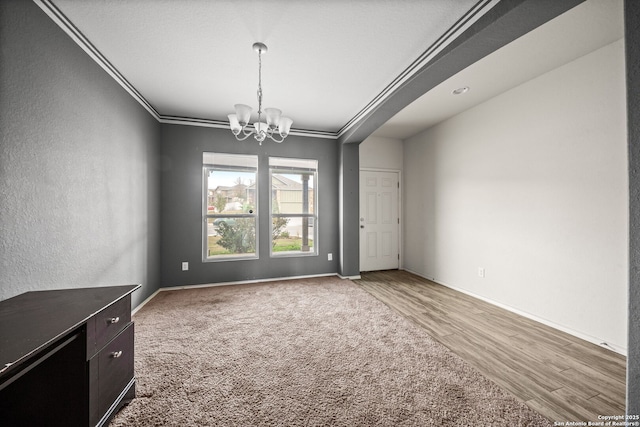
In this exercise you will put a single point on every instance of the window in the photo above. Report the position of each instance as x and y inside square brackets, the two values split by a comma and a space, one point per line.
[294, 218]
[230, 206]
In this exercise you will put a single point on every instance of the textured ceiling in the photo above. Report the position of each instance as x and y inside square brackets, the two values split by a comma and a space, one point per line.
[549, 46]
[329, 61]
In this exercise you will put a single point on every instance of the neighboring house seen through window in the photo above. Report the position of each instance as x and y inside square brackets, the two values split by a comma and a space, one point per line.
[230, 208]
[293, 206]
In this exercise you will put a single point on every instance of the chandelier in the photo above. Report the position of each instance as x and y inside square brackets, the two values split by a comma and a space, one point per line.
[239, 122]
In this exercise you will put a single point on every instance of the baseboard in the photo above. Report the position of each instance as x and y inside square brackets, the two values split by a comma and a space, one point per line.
[588, 338]
[142, 304]
[239, 282]
[358, 277]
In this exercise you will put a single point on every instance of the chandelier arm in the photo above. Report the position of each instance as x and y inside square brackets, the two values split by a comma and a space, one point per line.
[246, 135]
[246, 132]
[272, 137]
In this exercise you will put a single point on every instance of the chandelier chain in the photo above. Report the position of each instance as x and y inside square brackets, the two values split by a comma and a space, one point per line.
[259, 83]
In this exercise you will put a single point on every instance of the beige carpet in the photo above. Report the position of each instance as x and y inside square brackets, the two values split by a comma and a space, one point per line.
[313, 352]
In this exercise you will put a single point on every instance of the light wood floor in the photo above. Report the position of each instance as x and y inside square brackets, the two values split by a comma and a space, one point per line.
[560, 376]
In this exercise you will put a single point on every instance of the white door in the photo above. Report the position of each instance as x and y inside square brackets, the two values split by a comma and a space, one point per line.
[379, 221]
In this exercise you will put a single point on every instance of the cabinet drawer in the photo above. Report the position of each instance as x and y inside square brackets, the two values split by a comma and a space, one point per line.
[115, 368]
[110, 321]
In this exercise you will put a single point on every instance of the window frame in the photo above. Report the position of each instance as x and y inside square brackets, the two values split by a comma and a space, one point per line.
[206, 216]
[314, 217]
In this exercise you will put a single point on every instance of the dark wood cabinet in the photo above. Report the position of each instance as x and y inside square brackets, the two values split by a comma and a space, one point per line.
[66, 356]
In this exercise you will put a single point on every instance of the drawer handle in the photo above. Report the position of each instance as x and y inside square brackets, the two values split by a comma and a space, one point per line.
[116, 354]
[113, 320]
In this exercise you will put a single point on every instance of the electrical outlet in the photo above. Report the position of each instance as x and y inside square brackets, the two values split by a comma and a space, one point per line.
[185, 266]
[481, 272]
[329, 257]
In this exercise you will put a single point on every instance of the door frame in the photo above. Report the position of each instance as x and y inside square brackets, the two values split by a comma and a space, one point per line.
[401, 225]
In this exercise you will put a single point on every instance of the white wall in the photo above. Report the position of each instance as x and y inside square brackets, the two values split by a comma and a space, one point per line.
[532, 186]
[381, 153]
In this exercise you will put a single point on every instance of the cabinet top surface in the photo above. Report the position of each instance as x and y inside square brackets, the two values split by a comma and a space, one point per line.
[31, 321]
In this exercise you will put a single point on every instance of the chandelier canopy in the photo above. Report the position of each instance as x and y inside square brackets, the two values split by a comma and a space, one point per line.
[239, 122]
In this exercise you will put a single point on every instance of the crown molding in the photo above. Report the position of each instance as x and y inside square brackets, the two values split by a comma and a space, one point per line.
[67, 26]
[454, 31]
[479, 9]
[76, 35]
[192, 121]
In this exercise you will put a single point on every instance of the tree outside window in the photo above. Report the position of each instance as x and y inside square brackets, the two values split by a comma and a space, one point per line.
[230, 210]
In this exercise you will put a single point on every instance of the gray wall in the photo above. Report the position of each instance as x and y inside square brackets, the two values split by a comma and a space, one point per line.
[632, 43]
[181, 150]
[79, 183]
[349, 194]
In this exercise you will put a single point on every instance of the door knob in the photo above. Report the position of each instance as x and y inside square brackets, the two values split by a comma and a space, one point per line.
[362, 226]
